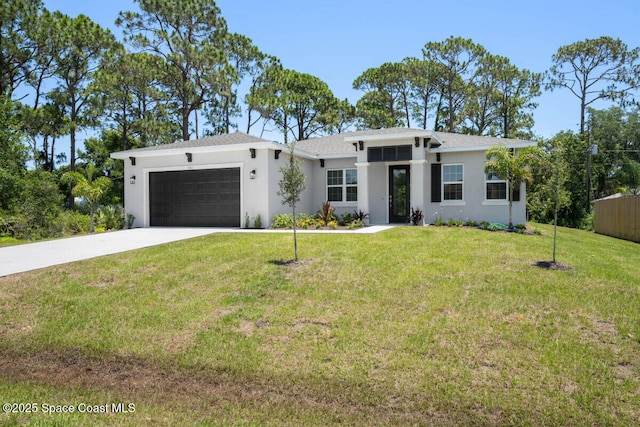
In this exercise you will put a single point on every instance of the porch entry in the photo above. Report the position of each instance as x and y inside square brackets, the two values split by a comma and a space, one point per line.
[399, 203]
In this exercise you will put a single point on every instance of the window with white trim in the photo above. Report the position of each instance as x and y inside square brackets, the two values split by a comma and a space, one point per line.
[452, 182]
[496, 187]
[342, 185]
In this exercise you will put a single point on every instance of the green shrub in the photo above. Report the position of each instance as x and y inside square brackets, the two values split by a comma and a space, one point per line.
[439, 222]
[257, 223]
[74, 222]
[356, 224]
[347, 219]
[110, 217]
[282, 221]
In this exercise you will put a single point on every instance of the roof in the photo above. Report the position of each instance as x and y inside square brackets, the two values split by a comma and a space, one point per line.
[227, 142]
[209, 141]
[340, 144]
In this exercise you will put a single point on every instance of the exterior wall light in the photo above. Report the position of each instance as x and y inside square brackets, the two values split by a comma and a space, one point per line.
[189, 157]
[253, 152]
[252, 174]
[132, 180]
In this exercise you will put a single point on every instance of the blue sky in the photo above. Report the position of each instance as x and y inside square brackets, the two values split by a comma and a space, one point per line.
[338, 40]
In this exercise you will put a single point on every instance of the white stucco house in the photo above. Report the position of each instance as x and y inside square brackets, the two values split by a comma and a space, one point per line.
[216, 181]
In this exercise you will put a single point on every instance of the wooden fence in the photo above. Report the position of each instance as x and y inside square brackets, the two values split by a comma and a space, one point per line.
[619, 217]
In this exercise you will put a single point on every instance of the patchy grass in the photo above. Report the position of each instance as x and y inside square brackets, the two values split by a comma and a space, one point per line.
[416, 325]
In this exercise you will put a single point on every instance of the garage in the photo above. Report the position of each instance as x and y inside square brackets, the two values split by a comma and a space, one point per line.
[195, 198]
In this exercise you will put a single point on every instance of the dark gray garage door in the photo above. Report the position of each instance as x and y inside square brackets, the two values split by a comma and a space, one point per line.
[195, 198]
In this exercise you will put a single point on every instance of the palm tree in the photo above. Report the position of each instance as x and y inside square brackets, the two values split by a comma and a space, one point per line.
[92, 190]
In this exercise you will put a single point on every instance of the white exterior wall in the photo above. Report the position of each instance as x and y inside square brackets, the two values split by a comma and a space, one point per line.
[259, 196]
[254, 193]
[474, 205]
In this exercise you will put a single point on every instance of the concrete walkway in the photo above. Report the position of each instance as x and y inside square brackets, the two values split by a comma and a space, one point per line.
[32, 256]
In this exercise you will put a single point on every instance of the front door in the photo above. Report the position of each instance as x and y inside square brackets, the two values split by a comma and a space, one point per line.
[399, 202]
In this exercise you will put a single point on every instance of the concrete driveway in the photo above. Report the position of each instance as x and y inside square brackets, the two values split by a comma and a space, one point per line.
[32, 256]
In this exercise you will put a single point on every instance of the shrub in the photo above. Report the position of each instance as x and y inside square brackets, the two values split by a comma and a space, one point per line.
[258, 221]
[347, 219]
[360, 215]
[247, 220]
[130, 220]
[332, 224]
[356, 224]
[416, 216]
[439, 222]
[484, 225]
[110, 217]
[283, 221]
[471, 223]
[326, 212]
[520, 228]
[74, 222]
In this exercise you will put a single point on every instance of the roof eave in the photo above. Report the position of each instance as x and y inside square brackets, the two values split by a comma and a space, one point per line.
[204, 149]
[444, 149]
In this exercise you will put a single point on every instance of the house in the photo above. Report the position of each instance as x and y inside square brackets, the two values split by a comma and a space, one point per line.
[218, 180]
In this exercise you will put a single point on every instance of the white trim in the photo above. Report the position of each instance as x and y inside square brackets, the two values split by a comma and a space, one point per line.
[453, 203]
[443, 183]
[495, 181]
[145, 172]
[481, 147]
[495, 203]
[344, 185]
[393, 136]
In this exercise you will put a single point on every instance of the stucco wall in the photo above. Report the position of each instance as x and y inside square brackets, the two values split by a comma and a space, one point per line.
[254, 193]
[474, 205]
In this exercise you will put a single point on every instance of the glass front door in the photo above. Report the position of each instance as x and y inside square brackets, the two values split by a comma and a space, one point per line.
[399, 203]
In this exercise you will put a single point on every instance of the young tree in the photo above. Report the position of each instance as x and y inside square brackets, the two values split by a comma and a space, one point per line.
[292, 185]
[552, 195]
[515, 168]
[593, 69]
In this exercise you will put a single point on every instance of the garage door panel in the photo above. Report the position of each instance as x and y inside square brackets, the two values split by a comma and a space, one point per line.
[200, 198]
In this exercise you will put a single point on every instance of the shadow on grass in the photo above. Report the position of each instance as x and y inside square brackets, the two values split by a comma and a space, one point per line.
[290, 263]
[550, 265]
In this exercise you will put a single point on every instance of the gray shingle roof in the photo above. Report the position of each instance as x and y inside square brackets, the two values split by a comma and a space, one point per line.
[209, 141]
[335, 144]
[457, 140]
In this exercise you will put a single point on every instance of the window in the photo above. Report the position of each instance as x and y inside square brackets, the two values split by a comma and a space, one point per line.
[392, 153]
[342, 185]
[452, 178]
[496, 187]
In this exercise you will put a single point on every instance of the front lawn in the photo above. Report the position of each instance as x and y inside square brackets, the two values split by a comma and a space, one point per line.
[411, 326]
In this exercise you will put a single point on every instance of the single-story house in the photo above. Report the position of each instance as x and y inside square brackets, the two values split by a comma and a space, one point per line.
[219, 180]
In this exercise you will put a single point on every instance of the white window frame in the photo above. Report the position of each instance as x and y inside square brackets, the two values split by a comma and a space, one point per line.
[452, 202]
[344, 186]
[495, 202]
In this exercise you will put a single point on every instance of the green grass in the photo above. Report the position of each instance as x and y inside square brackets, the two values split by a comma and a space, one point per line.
[412, 326]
